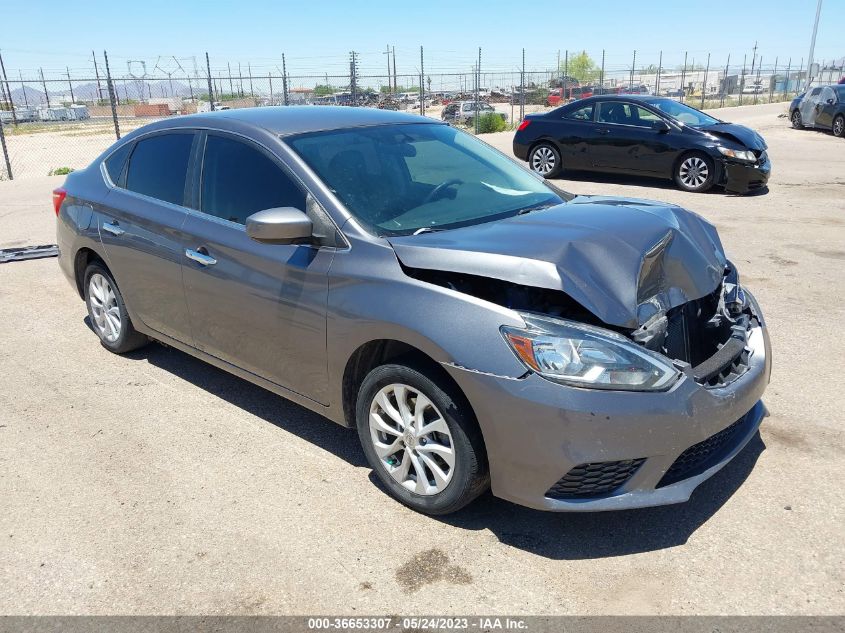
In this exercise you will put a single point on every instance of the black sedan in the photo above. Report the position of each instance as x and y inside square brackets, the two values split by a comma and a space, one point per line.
[647, 136]
[822, 107]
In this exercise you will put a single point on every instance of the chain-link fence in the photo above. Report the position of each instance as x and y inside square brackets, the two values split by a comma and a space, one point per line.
[54, 122]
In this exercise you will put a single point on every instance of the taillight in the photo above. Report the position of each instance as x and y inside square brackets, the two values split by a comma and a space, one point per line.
[523, 125]
[59, 196]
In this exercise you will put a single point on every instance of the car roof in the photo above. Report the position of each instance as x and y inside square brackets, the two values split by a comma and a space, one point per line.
[286, 120]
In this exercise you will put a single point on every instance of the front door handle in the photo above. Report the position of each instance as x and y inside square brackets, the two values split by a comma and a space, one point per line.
[200, 258]
[113, 228]
[603, 130]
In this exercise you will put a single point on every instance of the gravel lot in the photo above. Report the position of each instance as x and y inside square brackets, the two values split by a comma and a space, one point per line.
[156, 484]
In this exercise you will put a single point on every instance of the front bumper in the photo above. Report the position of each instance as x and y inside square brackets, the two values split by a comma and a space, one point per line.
[742, 177]
[537, 431]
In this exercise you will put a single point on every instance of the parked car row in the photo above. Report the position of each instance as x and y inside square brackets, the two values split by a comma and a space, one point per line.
[28, 114]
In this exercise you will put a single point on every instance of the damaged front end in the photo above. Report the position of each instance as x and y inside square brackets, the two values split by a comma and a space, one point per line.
[706, 338]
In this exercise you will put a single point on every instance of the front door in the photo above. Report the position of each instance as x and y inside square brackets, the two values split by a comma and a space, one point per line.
[625, 140]
[807, 107]
[261, 307]
[826, 108]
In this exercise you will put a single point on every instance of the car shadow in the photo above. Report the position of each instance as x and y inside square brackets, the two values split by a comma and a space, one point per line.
[559, 536]
[584, 536]
[599, 178]
[276, 410]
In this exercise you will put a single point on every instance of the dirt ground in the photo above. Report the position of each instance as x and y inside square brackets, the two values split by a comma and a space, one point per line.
[155, 484]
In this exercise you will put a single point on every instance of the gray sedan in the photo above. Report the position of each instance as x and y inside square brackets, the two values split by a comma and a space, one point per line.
[479, 327]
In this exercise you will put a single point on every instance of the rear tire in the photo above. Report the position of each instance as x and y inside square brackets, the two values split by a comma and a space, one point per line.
[694, 172]
[421, 440]
[107, 311]
[839, 126]
[796, 120]
[544, 159]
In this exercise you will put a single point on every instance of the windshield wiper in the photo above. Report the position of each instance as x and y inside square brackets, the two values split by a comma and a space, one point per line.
[535, 207]
[426, 229]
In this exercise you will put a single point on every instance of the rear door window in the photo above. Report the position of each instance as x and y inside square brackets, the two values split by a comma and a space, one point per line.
[238, 180]
[584, 113]
[158, 166]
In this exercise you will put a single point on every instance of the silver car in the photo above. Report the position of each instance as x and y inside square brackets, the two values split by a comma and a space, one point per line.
[464, 112]
[479, 327]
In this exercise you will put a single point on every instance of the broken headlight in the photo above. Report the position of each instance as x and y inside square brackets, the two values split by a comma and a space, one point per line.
[586, 356]
[739, 154]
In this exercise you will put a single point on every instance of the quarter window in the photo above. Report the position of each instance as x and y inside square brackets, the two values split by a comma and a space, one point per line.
[239, 180]
[584, 113]
[116, 162]
[159, 165]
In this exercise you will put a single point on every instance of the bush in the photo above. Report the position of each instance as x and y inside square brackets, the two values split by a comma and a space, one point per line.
[60, 171]
[491, 122]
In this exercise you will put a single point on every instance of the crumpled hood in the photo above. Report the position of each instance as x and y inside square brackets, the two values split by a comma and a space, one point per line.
[740, 133]
[623, 260]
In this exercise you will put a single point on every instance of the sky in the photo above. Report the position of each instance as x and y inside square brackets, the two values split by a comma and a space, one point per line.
[316, 37]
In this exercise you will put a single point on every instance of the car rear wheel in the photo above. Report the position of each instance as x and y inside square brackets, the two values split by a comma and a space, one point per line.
[422, 442]
[694, 172]
[107, 312]
[544, 159]
[839, 126]
[796, 120]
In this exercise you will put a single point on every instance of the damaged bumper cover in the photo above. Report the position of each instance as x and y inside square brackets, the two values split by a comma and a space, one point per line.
[743, 178]
[560, 448]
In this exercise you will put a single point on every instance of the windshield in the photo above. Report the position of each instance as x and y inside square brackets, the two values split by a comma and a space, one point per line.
[402, 179]
[682, 113]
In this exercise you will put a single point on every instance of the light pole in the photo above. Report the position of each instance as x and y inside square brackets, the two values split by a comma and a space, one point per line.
[812, 46]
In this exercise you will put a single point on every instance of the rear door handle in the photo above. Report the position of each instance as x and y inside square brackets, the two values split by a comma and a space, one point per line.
[113, 228]
[200, 258]
[603, 130]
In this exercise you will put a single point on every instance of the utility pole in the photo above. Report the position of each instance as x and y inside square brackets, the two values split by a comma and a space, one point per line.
[633, 65]
[659, 70]
[240, 82]
[812, 45]
[231, 86]
[249, 70]
[23, 90]
[111, 96]
[44, 83]
[477, 87]
[725, 82]
[210, 87]
[753, 58]
[395, 85]
[97, 73]
[422, 83]
[70, 85]
[284, 80]
[353, 76]
[389, 80]
[522, 88]
[704, 85]
[683, 78]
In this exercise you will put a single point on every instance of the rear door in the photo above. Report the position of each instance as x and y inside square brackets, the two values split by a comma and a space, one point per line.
[261, 307]
[140, 228]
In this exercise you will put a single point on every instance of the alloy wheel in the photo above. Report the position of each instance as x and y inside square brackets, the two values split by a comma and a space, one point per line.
[796, 119]
[838, 126]
[412, 439]
[543, 160]
[104, 308]
[694, 172]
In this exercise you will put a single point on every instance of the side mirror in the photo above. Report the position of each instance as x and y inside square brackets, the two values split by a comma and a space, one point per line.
[660, 126]
[830, 101]
[283, 225]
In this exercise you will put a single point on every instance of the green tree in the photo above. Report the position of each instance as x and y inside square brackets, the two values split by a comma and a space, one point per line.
[582, 67]
[321, 90]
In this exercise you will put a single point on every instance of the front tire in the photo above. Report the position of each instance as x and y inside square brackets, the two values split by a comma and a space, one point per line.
[544, 159]
[421, 440]
[839, 126]
[796, 120]
[694, 172]
[107, 311]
